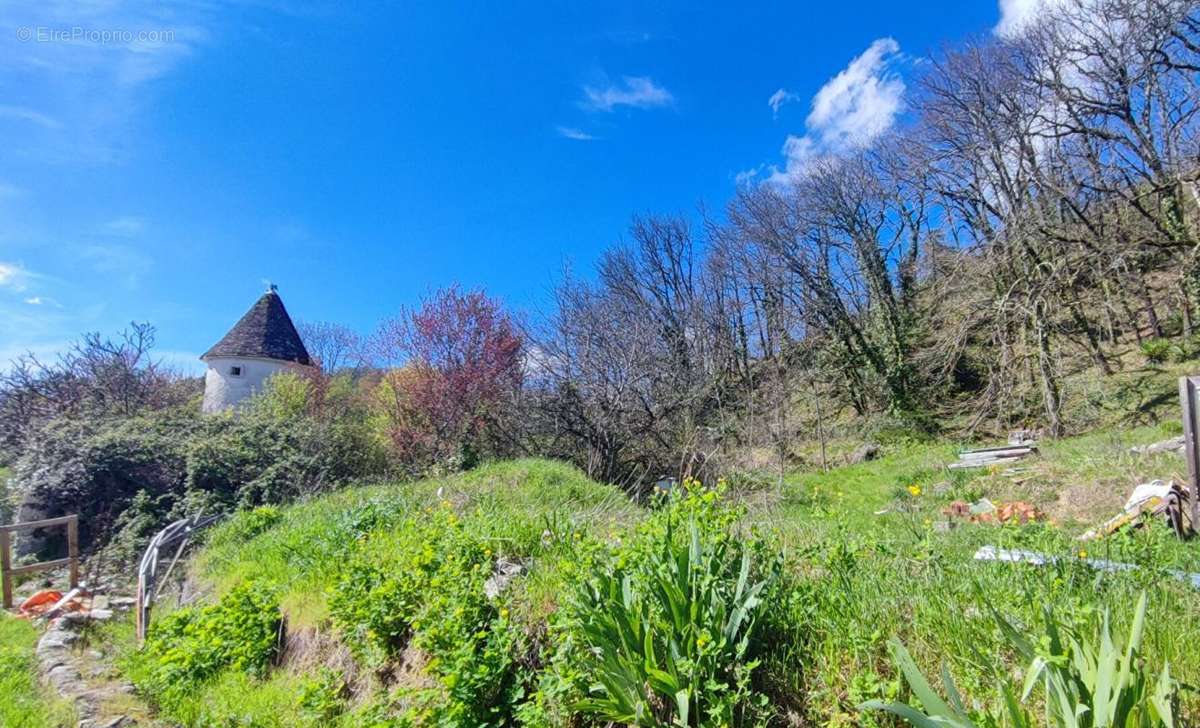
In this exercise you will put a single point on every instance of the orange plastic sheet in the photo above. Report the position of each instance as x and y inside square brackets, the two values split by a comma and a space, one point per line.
[43, 601]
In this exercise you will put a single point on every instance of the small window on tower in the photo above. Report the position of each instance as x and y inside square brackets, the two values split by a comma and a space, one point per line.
[235, 371]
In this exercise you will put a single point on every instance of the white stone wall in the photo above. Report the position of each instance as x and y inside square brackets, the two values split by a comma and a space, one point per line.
[223, 390]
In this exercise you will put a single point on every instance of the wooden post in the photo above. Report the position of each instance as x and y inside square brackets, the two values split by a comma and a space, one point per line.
[6, 568]
[73, 549]
[1191, 448]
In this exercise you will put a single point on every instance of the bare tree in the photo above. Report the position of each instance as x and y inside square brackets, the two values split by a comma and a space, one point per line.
[97, 376]
[334, 346]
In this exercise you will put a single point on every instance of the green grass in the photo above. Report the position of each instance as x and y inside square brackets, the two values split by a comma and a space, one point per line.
[23, 702]
[524, 509]
[867, 560]
[887, 570]
[515, 502]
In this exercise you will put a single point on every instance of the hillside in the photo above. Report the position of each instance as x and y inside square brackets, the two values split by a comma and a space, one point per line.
[378, 606]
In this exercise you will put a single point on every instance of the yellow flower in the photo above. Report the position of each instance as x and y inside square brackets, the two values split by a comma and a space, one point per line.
[1083, 553]
[503, 614]
[914, 490]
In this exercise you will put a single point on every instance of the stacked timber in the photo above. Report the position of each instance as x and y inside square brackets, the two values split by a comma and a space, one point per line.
[989, 456]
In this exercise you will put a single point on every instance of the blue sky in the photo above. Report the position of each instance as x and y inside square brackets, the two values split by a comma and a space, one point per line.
[161, 161]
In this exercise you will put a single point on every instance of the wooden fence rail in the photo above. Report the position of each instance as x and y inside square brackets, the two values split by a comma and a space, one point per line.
[8, 571]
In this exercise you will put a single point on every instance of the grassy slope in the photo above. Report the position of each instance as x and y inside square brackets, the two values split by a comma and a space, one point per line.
[511, 503]
[23, 703]
[875, 577]
[516, 502]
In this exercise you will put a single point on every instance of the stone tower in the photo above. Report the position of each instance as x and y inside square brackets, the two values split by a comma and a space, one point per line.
[262, 343]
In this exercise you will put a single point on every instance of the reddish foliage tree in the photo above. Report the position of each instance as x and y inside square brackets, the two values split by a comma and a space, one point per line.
[461, 354]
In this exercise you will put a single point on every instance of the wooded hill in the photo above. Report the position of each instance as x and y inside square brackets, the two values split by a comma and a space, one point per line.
[1036, 220]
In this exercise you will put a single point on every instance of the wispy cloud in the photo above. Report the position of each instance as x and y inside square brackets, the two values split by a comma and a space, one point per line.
[120, 262]
[628, 37]
[1015, 15]
[779, 98]
[13, 276]
[851, 110]
[21, 113]
[578, 135]
[77, 72]
[637, 92]
[748, 176]
[862, 101]
[126, 226]
[42, 301]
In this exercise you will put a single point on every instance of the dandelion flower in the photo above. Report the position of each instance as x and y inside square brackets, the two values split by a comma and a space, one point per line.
[914, 490]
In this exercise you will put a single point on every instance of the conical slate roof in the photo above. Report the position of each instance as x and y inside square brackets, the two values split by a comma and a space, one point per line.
[265, 332]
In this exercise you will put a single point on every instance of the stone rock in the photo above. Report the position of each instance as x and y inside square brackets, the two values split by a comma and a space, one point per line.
[864, 453]
[57, 638]
[504, 572]
[941, 488]
[73, 619]
[121, 721]
[121, 603]
[62, 669]
[66, 680]
[1174, 444]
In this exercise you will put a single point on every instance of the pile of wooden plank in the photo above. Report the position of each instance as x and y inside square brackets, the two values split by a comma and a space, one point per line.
[988, 456]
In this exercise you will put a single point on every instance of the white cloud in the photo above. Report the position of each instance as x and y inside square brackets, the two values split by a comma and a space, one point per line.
[13, 276]
[779, 98]
[862, 101]
[638, 92]
[578, 135]
[748, 177]
[1015, 15]
[851, 110]
[42, 301]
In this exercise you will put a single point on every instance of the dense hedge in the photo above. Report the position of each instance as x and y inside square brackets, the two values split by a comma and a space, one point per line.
[127, 477]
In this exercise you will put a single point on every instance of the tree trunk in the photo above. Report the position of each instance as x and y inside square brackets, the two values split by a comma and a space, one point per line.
[1093, 343]
[1185, 308]
[1148, 306]
[1051, 396]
